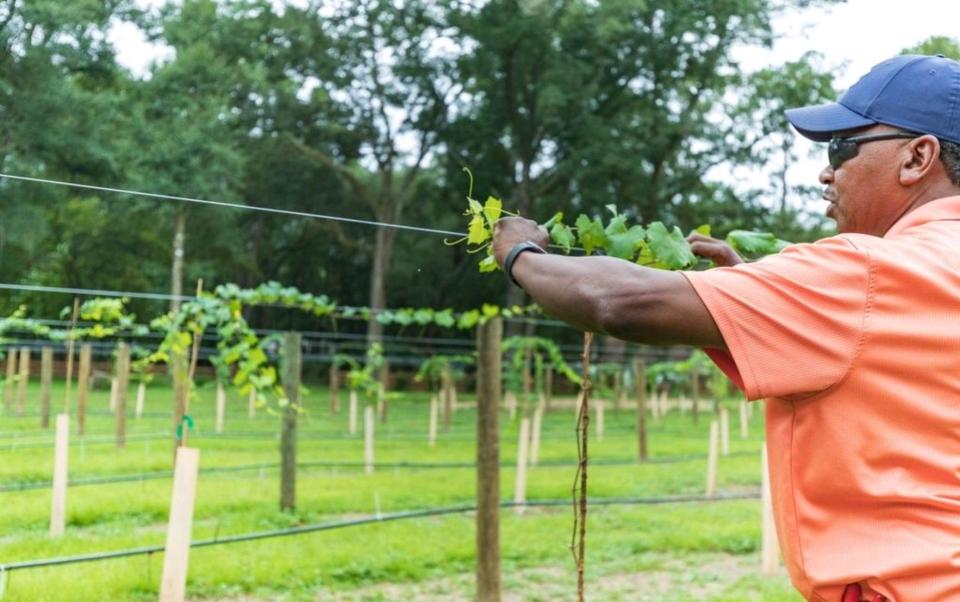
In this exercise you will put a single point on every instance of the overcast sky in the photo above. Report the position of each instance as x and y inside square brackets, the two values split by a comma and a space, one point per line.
[852, 37]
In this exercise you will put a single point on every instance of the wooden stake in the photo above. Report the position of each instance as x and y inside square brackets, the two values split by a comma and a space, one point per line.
[252, 404]
[600, 420]
[24, 379]
[291, 374]
[58, 506]
[368, 439]
[334, 387]
[11, 378]
[113, 389]
[489, 337]
[123, 373]
[71, 342]
[176, 557]
[83, 386]
[141, 398]
[770, 547]
[712, 459]
[352, 424]
[535, 435]
[640, 378]
[46, 377]
[744, 423]
[511, 405]
[520, 484]
[447, 397]
[432, 433]
[221, 407]
[724, 432]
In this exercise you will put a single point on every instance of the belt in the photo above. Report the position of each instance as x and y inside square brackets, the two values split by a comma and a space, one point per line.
[853, 592]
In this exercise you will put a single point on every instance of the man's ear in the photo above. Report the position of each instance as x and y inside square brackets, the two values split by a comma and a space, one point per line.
[921, 156]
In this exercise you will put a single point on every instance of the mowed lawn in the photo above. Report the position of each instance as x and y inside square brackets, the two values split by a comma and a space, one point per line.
[669, 552]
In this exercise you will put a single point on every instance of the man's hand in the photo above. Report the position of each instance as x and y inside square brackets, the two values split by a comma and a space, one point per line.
[717, 251]
[509, 231]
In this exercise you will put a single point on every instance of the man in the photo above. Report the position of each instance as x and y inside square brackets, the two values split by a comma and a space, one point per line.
[854, 340]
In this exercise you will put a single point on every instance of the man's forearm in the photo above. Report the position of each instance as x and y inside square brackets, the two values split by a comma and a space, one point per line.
[612, 296]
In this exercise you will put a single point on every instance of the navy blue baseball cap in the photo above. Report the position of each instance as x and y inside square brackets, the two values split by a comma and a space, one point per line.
[913, 92]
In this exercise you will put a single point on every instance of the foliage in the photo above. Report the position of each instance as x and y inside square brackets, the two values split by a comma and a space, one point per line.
[433, 369]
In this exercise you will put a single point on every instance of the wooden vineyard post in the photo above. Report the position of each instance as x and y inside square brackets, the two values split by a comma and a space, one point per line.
[535, 428]
[744, 423]
[352, 417]
[58, 506]
[600, 406]
[712, 459]
[252, 403]
[640, 381]
[334, 387]
[221, 407]
[181, 388]
[83, 385]
[141, 398]
[368, 422]
[770, 547]
[11, 377]
[447, 398]
[123, 374]
[24, 379]
[520, 483]
[173, 584]
[113, 390]
[432, 432]
[724, 432]
[292, 364]
[489, 337]
[46, 377]
[695, 394]
[548, 387]
[383, 404]
[511, 400]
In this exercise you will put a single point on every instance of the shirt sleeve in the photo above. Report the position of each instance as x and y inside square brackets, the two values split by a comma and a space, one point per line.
[792, 322]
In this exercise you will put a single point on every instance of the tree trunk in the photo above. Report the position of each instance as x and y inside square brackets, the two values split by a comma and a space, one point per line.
[382, 255]
[176, 271]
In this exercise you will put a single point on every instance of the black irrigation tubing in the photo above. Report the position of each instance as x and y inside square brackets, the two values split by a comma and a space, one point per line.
[396, 465]
[380, 518]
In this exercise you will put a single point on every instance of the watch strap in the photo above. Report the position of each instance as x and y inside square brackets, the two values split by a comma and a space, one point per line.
[515, 252]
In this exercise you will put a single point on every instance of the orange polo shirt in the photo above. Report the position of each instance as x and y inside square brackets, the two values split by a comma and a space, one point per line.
[854, 341]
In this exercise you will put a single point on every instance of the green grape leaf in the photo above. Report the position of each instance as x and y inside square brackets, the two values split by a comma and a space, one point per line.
[563, 236]
[751, 243]
[475, 208]
[670, 247]
[488, 264]
[477, 232]
[624, 245]
[704, 229]
[468, 319]
[489, 310]
[591, 234]
[492, 210]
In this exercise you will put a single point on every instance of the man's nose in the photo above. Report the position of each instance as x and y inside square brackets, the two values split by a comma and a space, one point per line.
[826, 175]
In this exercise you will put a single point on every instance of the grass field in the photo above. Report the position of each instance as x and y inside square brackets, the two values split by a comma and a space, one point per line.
[668, 552]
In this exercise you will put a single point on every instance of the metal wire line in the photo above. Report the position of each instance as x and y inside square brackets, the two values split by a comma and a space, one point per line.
[184, 199]
[379, 518]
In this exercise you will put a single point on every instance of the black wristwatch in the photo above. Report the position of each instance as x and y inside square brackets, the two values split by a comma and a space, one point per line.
[515, 252]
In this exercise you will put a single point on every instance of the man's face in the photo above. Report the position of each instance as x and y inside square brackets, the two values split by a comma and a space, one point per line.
[864, 191]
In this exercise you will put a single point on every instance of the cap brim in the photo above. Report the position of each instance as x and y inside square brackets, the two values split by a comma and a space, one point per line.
[819, 122]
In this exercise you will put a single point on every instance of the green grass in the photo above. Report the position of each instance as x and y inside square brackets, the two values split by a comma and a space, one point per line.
[668, 541]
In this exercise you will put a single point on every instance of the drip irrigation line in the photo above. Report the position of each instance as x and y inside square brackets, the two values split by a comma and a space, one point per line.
[379, 518]
[323, 464]
[228, 205]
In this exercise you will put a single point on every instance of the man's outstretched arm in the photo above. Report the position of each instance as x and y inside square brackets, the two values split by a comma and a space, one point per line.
[608, 295]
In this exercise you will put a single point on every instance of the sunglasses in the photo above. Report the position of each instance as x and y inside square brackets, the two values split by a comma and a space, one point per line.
[843, 149]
